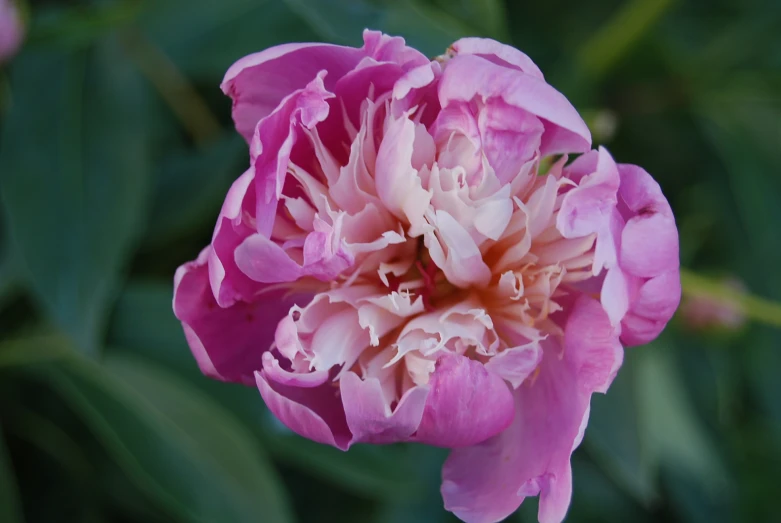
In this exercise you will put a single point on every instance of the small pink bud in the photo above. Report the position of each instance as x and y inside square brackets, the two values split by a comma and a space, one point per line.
[703, 312]
[11, 30]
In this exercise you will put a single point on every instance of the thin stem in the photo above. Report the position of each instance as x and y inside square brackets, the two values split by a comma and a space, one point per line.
[174, 87]
[754, 307]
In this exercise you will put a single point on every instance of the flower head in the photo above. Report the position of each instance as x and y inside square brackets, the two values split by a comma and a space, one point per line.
[11, 29]
[411, 257]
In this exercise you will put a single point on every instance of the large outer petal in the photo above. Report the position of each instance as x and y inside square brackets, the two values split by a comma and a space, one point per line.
[228, 283]
[497, 53]
[258, 82]
[228, 343]
[648, 256]
[369, 416]
[273, 141]
[487, 482]
[314, 413]
[466, 405]
[468, 76]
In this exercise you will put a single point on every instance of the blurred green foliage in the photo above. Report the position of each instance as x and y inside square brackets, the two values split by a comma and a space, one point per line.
[117, 148]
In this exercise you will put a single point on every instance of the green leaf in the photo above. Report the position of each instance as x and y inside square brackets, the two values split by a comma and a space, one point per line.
[489, 16]
[143, 323]
[9, 274]
[426, 507]
[10, 507]
[204, 37]
[597, 498]
[191, 186]
[174, 442]
[424, 27]
[741, 122]
[68, 26]
[616, 38]
[382, 473]
[33, 349]
[669, 424]
[613, 436]
[74, 179]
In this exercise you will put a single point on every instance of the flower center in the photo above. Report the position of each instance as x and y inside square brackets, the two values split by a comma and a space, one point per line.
[424, 279]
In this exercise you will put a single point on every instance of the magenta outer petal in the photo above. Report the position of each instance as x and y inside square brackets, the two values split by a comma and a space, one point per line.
[649, 244]
[485, 483]
[588, 207]
[314, 413]
[466, 404]
[385, 48]
[653, 306]
[467, 76]
[262, 260]
[228, 343]
[228, 283]
[497, 53]
[370, 420]
[276, 373]
[259, 82]
[648, 256]
[273, 142]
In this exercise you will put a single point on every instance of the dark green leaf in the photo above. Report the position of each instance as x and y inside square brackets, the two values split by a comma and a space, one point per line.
[74, 179]
[669, 424]
[174, 442]
[10, 509]
[191, 186]
[33, 349]
[204, 37]
[596, 497]
[426, 28]
[613, 436]
[488, 16]
[741, 120]
[143, 323]
[71, 26]
[616, 37]
[383, 473]
[427, 505]
[9, 274]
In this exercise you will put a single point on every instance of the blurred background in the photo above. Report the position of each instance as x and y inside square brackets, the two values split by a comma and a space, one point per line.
[116, 151]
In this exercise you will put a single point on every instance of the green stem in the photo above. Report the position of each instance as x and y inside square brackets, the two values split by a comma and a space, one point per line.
[754, 307]
[174, 88]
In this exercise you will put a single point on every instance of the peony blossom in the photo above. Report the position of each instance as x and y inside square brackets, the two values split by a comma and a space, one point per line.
[413, 256]
[11, 30]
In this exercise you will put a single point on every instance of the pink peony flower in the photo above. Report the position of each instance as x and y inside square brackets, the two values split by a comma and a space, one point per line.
[11, 30]
[397, 264]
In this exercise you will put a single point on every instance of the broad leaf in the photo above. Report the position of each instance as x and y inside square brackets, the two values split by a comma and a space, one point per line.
[204, 37]
[10, 508]
[426, 28]
[669, 425]
[174, 442]
[613, 435]
[143, 323]
[191, 186]
[74, 179]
